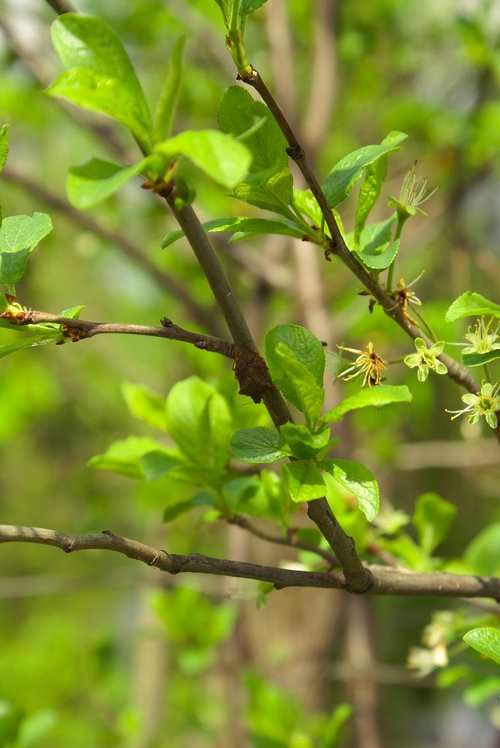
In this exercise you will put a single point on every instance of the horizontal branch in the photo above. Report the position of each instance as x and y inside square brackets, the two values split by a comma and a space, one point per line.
[386, 581]
[79, 329]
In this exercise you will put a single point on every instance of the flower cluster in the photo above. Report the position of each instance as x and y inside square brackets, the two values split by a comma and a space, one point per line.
[484, 403]
[426, 358]
[482, 339]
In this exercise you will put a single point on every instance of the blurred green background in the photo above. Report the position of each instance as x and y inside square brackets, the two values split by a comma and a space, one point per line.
[97, 651]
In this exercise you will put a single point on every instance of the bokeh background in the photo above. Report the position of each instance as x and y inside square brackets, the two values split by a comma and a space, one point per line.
[97, 651]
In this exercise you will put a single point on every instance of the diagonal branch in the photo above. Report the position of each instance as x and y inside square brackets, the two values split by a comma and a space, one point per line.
[385, 581]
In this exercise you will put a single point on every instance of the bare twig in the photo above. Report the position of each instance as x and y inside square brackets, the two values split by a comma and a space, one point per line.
[385, 581]
[79, 329]
[61, 6]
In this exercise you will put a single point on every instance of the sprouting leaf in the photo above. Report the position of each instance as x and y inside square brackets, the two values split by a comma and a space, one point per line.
[480, 359]
[145, 405]
[471, 304]
[375, 248]
[485, 640]
[4, 145]
[225, 6]
[369, 192]
[259, 445]
[94, 181]
[19, 235]
[221, 156]
[268, 190]
[249, 6]
[359, 480]
[99, 74]
[303, 480]
[432, 518]
[374, 396]
[168, 98]
[124, 456]
[241, 228]
[303, 443]
[341, 179]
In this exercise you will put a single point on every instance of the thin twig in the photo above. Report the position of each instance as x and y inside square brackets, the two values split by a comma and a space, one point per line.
[79, 329]
[385, 581]
[166, 282]
[61, 6]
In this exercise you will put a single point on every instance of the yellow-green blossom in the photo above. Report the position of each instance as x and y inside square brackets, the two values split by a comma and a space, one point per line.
[413, 193]
[484, 403]
[368, 363]
[426, 359]
[482, 339]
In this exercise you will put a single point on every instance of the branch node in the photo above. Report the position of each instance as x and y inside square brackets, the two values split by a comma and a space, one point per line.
[296, 152]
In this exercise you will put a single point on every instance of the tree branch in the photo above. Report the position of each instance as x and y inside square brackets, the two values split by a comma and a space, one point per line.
[385, 581]
[166, 282]
[338, 247]
[79, 329]
[61, 6]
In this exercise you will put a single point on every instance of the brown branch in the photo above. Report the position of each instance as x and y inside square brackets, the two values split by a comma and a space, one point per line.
[79, 329]
[385, 581]
[338, 246]
[166, 282]
[61, 6]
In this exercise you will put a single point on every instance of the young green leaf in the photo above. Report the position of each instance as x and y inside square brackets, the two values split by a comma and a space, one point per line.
[4, 145]
[471, 304]
[485, 640]
[249, 6]
[157, 463]
[27, 341]
[144, 404]
[19, 235]
[94, 181]
[341, 179]
[375, 396]
[259, 445]
[237, 114]
[481, 555]
[99, 74]
[432, 518]
[241, 228]
[480, 359]
[267, 190]
[369, 192]
[303, 480]
[375, 248]
[359, 480]
[168, 98]
[302, 442]
[124, 456]
[221, 156]
[296, 361]
[225, 6]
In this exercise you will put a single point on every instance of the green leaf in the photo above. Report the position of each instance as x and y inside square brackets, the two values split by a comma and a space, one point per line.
[99, 74]
[357, 479]
[249, 6]
[302, 442]
[485, 640]
[11, 718]
[30, 341]
[303, 480]
[221, 156]
[267, 190]
[237, 114]
[73, 312]
[225, 6]
[258, 445]
[157, 463]
[432, 518]
[296, 361]
[481, 555]
[306, 203]
[471, 304]
[124, 456]
[375, 175]
[199, 421]
[374, 396]
[35, 727]
[482, 690]
[479, 359]
[4, 145]
[19, 235]
[341, 179]
[168, 98]
[305, 347]
[145, 405]
[241, 228]
[95, 180]
[375, 249]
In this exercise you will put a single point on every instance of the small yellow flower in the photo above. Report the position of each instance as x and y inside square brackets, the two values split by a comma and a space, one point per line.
[413, 193]
[426, 359]
[368, 363]
[482, 339]
[484, 403]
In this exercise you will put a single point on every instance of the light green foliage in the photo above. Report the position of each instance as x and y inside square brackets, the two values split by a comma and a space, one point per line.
[99, 74]
[432, 518]
[357, 479]
[4, 145]
[375, 247]
[344, 175]
[296, 361]
[375, 396]
[259, 445]
[220, 156]
[303, 480]
[485, 640]
[19, 235]
[165, 109]
[481, 555]
[124, 456]
[471, 304]
[96, 180]
[303, 443]
[145, 405]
